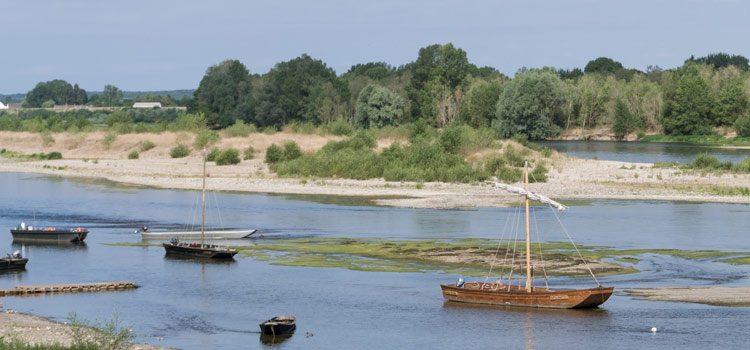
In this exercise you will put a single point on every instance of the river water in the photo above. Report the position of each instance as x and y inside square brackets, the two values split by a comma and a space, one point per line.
[201, 305]
[643, 152]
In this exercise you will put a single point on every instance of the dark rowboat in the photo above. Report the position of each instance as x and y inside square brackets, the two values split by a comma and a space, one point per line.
[279, 325]
[48, 234]
[13, 262]
[195, 249]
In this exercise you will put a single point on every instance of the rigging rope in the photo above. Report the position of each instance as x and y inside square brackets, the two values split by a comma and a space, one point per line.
[576, 247]
[541, 254]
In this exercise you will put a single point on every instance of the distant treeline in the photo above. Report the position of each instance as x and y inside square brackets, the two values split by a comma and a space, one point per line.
[441, 87]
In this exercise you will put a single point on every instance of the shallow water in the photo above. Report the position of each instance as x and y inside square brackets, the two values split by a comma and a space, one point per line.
[643, 152]
[196, 305]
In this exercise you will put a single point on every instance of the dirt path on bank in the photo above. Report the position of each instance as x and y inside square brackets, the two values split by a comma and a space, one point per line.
[569, 178]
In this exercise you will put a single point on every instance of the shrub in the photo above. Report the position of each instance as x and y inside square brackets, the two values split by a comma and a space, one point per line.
[205, 137]
[709, 162]
[108, 139]
[133, 154]
[539, 174]
[228, 156]
[451, 139]
[742, 126]
[742, 167]
[509, 175]
[211, 156]
[291, 151]
[146, 145]
[47, 139]
[492, 165]
[340, 127]
[512, 158]
[189, 122]
[273, 154]
[239, 129]
[248, 153]
[179, 151]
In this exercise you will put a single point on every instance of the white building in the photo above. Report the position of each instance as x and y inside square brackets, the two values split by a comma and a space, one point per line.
[3, 106]
[147, 104]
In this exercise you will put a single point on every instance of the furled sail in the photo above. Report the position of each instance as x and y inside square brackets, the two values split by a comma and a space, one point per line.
[529, 194]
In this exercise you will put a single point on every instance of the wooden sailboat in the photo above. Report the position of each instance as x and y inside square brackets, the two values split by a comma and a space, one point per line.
[499, 293]
[201, 250]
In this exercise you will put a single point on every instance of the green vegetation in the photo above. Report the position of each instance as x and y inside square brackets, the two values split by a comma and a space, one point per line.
[146, 146]
[205, 138]
[111, 334]
[16, 344]
[228, 156]
[179, 151]
[133, 154]
[34, 156]
[109, 138]
[239, 129]
[248, 153]
[708, 163]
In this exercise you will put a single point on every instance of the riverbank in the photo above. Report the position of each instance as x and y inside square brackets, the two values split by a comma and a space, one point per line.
[569, 178]
[717, 296]
[34, 330]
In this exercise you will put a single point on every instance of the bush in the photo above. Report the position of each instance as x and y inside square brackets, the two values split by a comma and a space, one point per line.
[228, 156]
[742, 126]
[509, 175]
[248, 153]
[146, 145]
[708, 162]
[190, 122]
[239, 129]
[539, 174]
[451, 139]
[205, 137]
[273, 154]
[179, 151]
[47, 139]
[108, 139]
[211, 156]
[340, 127]
[291, 151]
[133, 154]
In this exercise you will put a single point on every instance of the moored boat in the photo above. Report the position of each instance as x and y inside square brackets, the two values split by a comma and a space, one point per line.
[13, 262]
[195, 249]
[504, 293]
[279, 325]
[48, 234]
[210, 234]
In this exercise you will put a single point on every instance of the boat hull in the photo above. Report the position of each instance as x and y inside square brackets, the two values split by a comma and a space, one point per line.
[194, 250]
[7, 264]
[493, 294]
[49, 236]
[192, 235]
[279, 326]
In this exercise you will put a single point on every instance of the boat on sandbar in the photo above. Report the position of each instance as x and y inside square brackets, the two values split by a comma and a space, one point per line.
[501, 292]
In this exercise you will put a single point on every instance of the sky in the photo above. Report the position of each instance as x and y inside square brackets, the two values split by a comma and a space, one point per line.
[165, 45]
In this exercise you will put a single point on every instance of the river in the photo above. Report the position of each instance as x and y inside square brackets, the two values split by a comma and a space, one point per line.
[643, 152]
[201, 305]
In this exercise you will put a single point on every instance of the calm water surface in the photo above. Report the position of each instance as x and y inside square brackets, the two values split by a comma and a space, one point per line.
[643, 152]
[196, 305]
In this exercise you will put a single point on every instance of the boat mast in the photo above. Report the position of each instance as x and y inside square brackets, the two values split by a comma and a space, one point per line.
[528, 243]
[203, 200]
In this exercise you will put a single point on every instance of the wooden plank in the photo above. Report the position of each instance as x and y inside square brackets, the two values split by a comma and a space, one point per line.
[67, 288]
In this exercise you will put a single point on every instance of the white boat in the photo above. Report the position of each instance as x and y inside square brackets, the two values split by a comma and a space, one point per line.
[188, 235]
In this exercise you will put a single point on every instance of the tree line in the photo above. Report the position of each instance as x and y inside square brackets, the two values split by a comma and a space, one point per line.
[441, 87]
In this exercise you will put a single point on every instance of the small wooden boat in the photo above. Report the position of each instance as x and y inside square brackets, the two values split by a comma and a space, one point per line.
[503, 293]
[279, 325]
[13, 262]
[48, 234]
[198, 250]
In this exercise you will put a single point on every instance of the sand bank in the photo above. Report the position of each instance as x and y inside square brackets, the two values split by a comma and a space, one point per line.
[720, 296]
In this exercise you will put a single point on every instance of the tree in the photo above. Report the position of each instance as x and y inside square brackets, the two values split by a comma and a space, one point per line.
[433, 90]
[691, 112]
[593, 94]
[529, 103]
[733, 102]
[372, 70]
[602, 65]
[223, 94]
[111, 96]
[378, 107]
[58, 91]
[624, 122]
[294, 91]
[481, 102]
[572, 74]
[719, 60]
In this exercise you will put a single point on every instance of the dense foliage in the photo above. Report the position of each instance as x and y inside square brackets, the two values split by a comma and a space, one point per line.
[57, 91]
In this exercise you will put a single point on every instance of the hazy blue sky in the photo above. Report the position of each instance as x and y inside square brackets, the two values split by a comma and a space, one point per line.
[161, 45]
